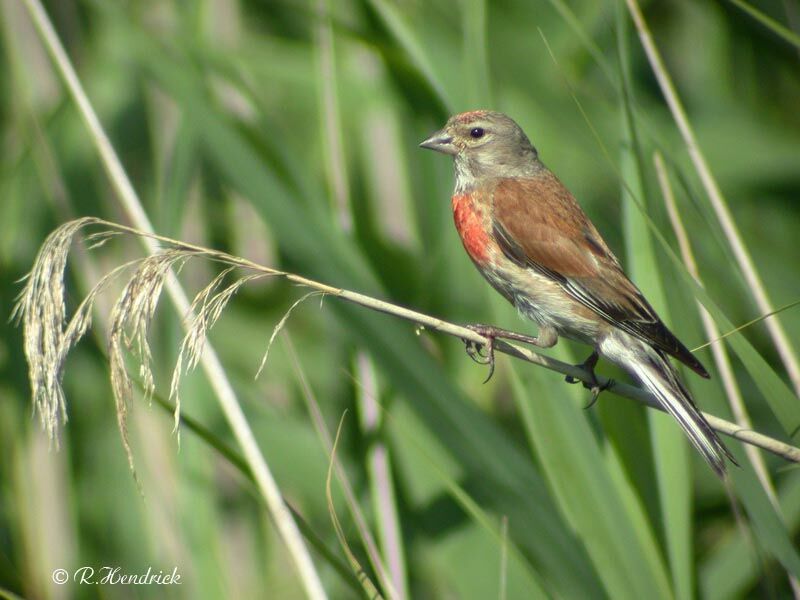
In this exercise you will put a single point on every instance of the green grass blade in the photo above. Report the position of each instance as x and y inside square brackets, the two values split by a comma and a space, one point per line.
[476, 53]
[406, 37]
[768, 22]
[734, 565]
[428, 460]
[671, 452]
[235, 459]
[610, 522]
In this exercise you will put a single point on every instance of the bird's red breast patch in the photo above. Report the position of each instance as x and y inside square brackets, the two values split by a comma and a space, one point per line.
[470, 226]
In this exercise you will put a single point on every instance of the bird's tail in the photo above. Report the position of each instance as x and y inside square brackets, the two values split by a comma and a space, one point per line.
[659, 377]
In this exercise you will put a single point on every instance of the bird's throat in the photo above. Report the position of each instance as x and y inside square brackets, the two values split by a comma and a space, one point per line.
[465, 178]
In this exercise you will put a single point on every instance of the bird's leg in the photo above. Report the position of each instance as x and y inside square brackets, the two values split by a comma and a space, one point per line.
[593, 385]
[547, 338]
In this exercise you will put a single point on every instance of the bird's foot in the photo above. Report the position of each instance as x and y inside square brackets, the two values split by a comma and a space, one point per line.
[593, 385]
[484, 353]
[588, 365]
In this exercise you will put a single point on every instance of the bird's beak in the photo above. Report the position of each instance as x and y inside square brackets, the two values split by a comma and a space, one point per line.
[440, 141]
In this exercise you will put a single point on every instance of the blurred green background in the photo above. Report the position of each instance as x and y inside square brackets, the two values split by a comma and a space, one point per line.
[287, 132]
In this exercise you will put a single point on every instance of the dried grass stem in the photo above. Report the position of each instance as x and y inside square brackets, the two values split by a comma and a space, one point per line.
[48, 338]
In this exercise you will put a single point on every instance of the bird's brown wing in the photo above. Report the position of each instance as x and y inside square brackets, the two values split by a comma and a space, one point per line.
[538, 224]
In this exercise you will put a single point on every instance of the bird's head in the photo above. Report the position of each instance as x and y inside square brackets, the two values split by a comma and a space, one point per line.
[485, 143]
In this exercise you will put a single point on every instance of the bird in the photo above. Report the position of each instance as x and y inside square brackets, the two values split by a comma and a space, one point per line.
[531, 240]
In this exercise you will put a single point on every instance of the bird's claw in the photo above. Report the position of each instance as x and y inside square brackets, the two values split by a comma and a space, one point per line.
[475, 352]
[593, 385]
[491, 333]
[596, 389]
[474, 349]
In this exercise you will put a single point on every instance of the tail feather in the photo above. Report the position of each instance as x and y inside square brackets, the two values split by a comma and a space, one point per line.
[658, 376]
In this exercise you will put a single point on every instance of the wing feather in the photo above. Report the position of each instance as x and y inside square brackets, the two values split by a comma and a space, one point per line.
[539, 225]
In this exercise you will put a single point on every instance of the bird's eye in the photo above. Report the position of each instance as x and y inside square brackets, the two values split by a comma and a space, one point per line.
[477, 132]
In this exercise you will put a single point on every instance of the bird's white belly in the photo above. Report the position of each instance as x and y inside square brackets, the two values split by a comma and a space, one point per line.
[545, 302]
